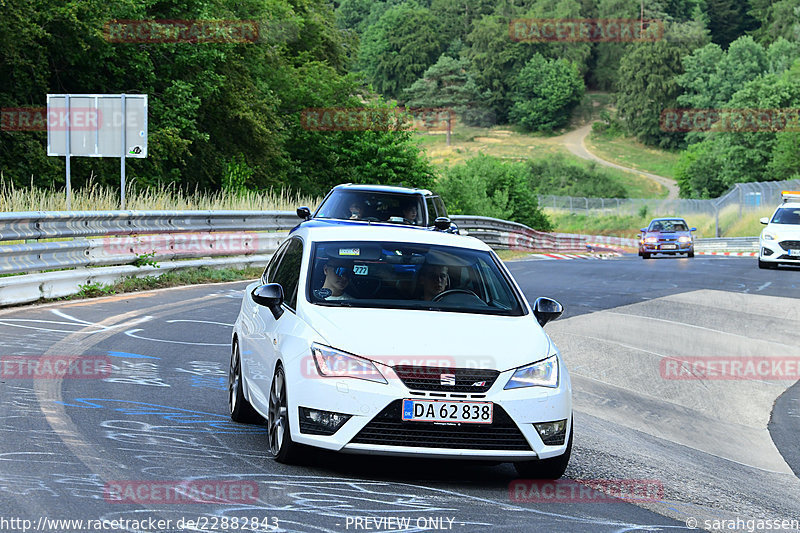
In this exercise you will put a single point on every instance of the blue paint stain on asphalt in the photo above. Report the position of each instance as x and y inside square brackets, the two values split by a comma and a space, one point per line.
[131, 355]
[202, 422]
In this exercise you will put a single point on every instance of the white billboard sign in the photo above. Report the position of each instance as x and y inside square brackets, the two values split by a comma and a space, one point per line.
[93, 125]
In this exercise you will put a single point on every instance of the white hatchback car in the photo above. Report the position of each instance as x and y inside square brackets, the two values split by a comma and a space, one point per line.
[780, 240]
[400, 341]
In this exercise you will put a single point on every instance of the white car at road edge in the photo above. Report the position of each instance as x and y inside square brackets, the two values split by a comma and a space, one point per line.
[780, 240]
[402, 342]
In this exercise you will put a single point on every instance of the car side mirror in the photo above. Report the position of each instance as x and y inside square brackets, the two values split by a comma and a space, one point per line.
[270, 296]
[693, 229]
[764, 220]
[304, 213]
[643, 230]
[442, 223]
[546, 310]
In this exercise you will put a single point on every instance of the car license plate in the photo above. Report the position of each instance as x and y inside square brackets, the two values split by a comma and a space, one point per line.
[794, 253]
[444, 411]
[668, 246]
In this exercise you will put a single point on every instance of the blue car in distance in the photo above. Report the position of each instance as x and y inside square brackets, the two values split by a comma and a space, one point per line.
[671, 236]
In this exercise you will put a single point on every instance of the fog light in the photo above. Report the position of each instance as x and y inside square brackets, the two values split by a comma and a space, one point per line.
[766, 252]
[552, 433]
[316, 422]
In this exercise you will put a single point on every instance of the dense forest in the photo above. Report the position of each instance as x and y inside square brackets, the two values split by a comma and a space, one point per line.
[227, 115]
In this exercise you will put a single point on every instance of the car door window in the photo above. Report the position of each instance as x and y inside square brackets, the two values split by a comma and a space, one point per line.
[287, 272]
[431, 210]
[440, 210]
[269, 273]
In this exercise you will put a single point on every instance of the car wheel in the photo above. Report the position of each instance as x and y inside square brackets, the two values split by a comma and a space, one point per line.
[690, 254]
[240, 408]
[280, 435]
[645, 255]
[766, 265]
[552, 468]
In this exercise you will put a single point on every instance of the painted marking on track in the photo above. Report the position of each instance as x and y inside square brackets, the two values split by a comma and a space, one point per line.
[127, 355]
[201, 322]
[764, 286]
[133, 333]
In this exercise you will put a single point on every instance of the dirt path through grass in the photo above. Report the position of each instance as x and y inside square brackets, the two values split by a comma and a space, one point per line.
[574, 142]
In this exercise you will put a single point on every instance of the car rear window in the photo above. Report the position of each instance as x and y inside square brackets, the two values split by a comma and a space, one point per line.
[373, 206]
[410, 276]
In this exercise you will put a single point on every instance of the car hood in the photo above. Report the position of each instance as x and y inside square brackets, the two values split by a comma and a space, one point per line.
[668, 234]
[784, 232]
[431, 338]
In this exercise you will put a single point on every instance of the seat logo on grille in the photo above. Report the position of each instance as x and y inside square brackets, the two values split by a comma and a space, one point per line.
[448, 379]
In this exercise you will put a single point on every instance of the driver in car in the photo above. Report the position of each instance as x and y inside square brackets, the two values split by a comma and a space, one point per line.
[337, 278]
[435, 280]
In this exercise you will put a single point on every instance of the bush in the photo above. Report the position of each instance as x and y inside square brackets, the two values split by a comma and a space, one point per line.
[489, 186]
[545, 93]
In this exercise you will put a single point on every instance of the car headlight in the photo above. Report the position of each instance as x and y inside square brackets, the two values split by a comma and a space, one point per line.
[768, 236]
[684, 239]
[543, 373]
[651, 240]
[335, 364]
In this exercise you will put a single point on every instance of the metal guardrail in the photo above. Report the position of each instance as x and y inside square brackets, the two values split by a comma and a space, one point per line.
[113, 241]
[745, 244]
[70, 224]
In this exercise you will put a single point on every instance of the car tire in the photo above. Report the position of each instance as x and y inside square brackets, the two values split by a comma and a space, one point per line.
[240, 408]
[281, 444]
[766, 265]
[690, 254]
[645, 255]
[552, 468]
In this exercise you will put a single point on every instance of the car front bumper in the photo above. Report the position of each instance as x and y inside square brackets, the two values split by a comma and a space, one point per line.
[680, 248]
[364, 400]
[772, 252]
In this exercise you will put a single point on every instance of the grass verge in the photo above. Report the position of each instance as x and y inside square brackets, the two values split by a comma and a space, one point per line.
[174, 278]
[731, 223]
[633, 154]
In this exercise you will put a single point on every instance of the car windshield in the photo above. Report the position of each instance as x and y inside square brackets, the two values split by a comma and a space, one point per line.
[373, 206]
[787, 215]
[668, 226]
[409, 276]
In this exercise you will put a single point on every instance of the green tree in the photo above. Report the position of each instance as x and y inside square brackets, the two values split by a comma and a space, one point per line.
[649, 71]
[545, 93]
[399, 47]
[445, 85]
[776, 18]
[728, 20]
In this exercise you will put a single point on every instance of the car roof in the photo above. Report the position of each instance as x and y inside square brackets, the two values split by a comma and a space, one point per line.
[791, 205]
[383, 188]
[338, 230]
[668, 218]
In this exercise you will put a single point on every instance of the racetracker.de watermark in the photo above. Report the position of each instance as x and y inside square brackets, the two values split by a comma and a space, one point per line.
[372, 119]
[730, 120]
[181, 491]
[730, 368]
[55, 367]
[178, 244]
[429, 368]
[585, 490]
[39, 119]
[181, 31]
[585, 30]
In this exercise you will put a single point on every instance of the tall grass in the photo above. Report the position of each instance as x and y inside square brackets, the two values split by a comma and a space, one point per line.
[94, 197]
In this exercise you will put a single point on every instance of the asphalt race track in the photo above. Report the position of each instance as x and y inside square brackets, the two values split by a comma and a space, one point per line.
[716, 448]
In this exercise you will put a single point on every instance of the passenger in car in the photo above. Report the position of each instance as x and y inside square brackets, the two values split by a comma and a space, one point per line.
[434, 280]
[355, 210]
[410, 213]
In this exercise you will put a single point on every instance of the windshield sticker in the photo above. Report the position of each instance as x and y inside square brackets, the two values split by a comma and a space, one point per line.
[349, 251]
[360, 270]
